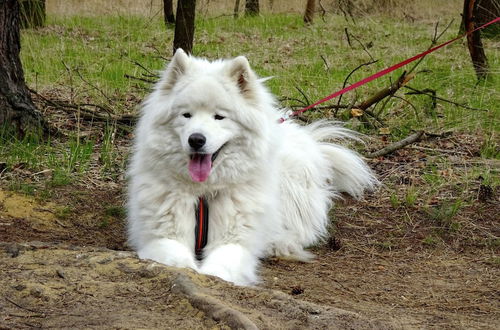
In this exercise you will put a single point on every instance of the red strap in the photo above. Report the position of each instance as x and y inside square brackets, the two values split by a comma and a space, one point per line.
[385, 71]
[201, 227]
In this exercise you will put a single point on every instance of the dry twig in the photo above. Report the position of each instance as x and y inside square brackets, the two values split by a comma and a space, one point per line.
[397, 145]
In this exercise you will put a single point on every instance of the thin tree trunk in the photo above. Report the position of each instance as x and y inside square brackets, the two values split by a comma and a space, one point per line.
[184, 25]
[236, 8]
[476, 50]
[487, 10]
[309, 13]
[168, 13]
[252, 7]
[18, 114]
[32, 13]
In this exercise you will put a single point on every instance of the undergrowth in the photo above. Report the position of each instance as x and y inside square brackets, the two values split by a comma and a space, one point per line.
[105, 60]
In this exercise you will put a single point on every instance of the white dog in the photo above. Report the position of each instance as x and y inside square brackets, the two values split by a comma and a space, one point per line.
[211, 130]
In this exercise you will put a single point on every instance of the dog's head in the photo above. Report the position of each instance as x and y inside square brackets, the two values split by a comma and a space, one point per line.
[212, 107]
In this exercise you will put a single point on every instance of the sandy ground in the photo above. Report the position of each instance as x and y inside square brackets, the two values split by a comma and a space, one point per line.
[76, 271]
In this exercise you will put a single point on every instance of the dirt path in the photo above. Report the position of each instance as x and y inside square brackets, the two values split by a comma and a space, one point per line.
[384, 269]
[55, 286]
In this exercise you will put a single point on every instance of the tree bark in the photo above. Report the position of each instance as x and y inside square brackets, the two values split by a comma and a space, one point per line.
[252, 7]
[236, 8]
[32, 13]
[487, 10]
[168, 13]
[309, 13]
[476, 50]
[18, 114]
[184, 25]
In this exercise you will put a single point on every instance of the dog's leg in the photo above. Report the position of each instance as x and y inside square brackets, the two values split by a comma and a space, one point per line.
[169, 252]
[233, 263]
[161, 224]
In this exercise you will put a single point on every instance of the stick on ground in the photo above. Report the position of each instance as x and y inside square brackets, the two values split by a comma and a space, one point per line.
[397, 145]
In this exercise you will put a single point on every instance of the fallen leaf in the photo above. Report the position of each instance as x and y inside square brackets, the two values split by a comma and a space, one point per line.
[356, 112]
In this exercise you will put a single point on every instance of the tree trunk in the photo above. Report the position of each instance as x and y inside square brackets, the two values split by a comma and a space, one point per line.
[168, 13]
[18, 114]
[309, 13]
[184, 25]
[252, 7]
[236, 8]
[488, 10]
[32, 13]
[476, 50]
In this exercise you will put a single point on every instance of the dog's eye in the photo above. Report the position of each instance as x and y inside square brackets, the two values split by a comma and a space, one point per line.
[186, 115]
[219, 117]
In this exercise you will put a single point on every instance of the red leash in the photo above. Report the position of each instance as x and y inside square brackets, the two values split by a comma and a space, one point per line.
[384, 72]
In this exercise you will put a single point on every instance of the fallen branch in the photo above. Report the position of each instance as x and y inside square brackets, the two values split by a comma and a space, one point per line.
[432, 95]
[213, 307]
[123, 122]
[388, 91]
[149, 81]
[397, 145]
[351, 73]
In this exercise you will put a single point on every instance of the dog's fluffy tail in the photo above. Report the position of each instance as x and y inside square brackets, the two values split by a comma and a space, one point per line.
[349, 173]
[318, 170]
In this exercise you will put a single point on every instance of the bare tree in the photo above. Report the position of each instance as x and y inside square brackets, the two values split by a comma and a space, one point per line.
[17, 111]
[309, 13]
[486, 10]
[474, 43]
[32, 13]
[252, 7]
[236, 8]
[168, 12]
[184, 25]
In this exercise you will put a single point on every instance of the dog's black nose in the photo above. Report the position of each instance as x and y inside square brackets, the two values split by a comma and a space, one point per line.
[196, 141]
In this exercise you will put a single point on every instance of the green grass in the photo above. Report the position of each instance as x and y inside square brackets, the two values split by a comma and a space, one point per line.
[88, 58]
[85, 60]
[64, 161]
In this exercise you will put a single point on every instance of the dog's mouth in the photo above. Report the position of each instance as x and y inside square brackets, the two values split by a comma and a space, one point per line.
[200, 165]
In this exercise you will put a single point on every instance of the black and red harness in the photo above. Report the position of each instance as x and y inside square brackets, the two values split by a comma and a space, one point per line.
[201, 227]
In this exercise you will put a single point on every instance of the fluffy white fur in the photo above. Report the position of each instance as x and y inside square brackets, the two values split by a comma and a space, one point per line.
[269, 189]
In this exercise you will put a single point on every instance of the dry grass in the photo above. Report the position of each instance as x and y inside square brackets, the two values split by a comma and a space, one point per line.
[429, 9]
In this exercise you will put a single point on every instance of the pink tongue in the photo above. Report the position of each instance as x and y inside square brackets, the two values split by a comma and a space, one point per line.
[200, 166]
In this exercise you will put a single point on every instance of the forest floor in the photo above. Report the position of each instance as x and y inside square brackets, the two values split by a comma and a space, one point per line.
[421, 252]
[402, 258]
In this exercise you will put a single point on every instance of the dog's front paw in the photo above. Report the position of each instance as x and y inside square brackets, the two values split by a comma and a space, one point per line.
[232, 263]
[169, 252]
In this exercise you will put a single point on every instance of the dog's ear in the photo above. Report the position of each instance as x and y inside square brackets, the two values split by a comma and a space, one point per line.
[175, 69]
[241, 73]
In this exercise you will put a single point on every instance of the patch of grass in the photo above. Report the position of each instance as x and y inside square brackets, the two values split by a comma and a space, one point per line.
[395, 203]
[115, 211]
[63, 213]
[443, 215]
[431, 240]
[89, 57]
[23, 187]
[105, 223]
[490, 148]
[107, 153]
[59, 178]
[411, 196]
